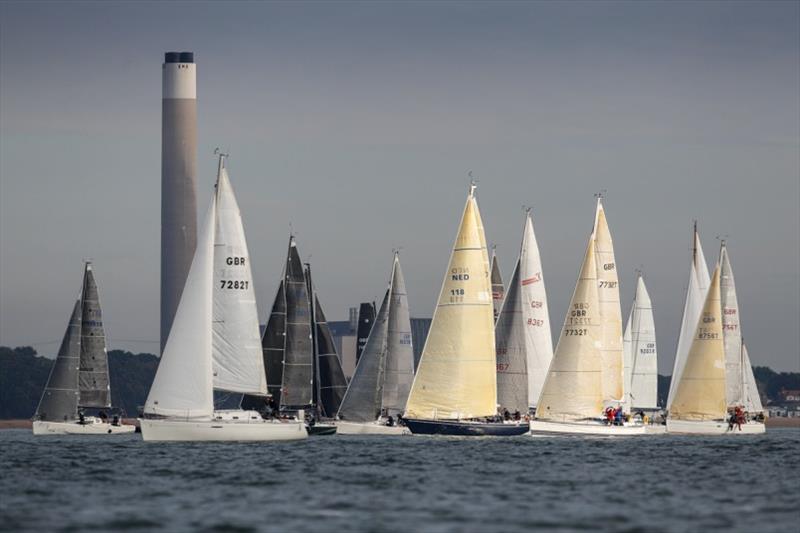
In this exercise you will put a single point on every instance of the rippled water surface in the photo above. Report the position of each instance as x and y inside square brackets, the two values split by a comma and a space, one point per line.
[657, 483]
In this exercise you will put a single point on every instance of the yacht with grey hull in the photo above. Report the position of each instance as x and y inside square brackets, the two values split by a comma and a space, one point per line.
[78, 382]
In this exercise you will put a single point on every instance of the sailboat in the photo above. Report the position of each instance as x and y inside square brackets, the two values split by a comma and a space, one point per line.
[303, 369]
[582, 377]
[523, 341]
[740, 386]
[214, 342]
[79, 378]
[640, 356]
[498, 289]
[455, 387]
[382, 380]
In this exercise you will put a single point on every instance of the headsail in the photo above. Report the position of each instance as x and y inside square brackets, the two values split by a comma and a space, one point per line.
[93, 378]
[695, 296]
[498, 289]
[183, 384]
[59, 401]
[610, 311]
[643, 384]
[752, 398]
[399, 369]
[456, 377]
[700, 393]
[573, 389]
[238, 363]
[273, 349]
[512, 349]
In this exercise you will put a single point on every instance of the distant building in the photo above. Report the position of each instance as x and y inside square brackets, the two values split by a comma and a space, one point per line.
[790, 395]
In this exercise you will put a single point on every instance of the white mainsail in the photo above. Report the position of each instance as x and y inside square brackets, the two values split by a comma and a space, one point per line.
[573, 389]
[237, 356]
[456, 377]
[731, 331]
[642, 389]
[693, 306]
[399, 371]
[610, 310]
[700, 393]
[752, 398]
[183, 384]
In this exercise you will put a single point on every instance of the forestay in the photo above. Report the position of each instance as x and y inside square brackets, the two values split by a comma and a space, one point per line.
[183, 384]
[59, 402]
[456, 377]
[237, 355]
[93, 378]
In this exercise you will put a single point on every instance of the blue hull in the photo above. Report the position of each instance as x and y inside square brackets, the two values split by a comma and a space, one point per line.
[465, 428]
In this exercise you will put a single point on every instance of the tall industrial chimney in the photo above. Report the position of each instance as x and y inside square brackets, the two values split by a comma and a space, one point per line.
[178, 180]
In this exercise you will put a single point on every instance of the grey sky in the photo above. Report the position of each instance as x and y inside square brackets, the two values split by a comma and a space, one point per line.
[358, 122]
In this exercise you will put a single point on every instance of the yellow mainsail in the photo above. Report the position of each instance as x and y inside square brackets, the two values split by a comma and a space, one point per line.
[701, 390]
[573, 388]
[456, 377]
[610, 311]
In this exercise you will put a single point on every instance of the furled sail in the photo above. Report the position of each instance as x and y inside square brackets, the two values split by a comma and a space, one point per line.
[183, 384]
[363, 398]
[399, 368]
[93, 377]
[643, 385]
[573, 389]
[700, 394]
[238, 363]
[498, 289]
[512, 350]
[752, 398]
[610, 311]
[695, 296]
[456, 377]
[59, 401]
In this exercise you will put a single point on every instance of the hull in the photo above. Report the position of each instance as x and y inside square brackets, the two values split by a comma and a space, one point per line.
[712, 427]
[545, 427]
[370, 428]
[319, 429]
[465, 428]
[171, 430]
[41, 427]
[655, 429]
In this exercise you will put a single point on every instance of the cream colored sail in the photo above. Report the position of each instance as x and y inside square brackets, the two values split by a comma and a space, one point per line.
[700, 393]
[456, 378]
[573, 388]
[610, 311]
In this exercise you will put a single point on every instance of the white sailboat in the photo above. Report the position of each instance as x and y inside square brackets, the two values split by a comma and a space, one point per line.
[522, 332]
[640, 355]
[214, 342]
[455, 387]
[740, 387]
[577, 385]
[382, 380]
[498, 289]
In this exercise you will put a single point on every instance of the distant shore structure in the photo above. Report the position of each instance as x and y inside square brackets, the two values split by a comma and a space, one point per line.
[178, 179]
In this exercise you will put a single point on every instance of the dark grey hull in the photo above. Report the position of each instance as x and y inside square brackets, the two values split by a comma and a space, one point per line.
[465, 428]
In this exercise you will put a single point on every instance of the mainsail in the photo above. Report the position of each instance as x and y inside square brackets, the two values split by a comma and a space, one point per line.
[573, 389]
[183, 384]
[731, 331]
[700, 393]
[695, 296]
[362, 401]
[642, 387]
[610, 311]
[399, 367]
[498, 290]
[59, 401]
[93, 379]
[237, 357]
[456, 377]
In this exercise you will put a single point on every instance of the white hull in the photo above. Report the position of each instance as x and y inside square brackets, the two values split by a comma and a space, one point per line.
[369, 428]
[655, 429]
[162, 430]
[543, 427]
[41, 427]
[712, 427]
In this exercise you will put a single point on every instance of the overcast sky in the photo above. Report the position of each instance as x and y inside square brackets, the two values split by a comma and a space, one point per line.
[357, 124]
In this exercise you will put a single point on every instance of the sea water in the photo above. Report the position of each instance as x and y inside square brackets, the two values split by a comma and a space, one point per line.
[408, 483]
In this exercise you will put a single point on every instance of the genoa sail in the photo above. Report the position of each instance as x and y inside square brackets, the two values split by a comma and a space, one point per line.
[95, 390]
[498, 289]
[399, 368]
[752, 398]
[59, 402]
[700, 393]
[642, 389]
[573, 389]
[512, 350]
[456, 376]
[183, 384]
[237, 354]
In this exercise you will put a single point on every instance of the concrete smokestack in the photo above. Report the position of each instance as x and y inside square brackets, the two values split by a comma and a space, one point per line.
[178, 180]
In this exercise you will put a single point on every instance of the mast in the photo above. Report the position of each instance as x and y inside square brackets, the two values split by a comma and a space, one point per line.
[314, 341]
